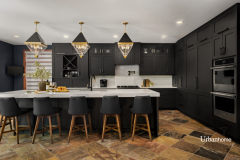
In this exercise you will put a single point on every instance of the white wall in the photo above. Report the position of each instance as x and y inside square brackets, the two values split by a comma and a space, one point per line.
[121, 78]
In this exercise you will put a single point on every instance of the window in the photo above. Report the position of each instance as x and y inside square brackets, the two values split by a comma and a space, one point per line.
[45, 59]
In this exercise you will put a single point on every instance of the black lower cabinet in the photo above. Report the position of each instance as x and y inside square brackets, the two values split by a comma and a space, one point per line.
[72, 82]
[167, 98]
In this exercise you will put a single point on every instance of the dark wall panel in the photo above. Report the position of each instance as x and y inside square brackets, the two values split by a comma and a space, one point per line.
[6, 59]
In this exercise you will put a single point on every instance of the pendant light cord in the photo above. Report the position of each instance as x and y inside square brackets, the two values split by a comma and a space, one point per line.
[81, 28]
[36, 28]
[125, 31]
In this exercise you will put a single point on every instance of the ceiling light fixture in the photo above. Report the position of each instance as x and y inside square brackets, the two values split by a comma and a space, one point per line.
[35, 43]
[80, 44]
[179, 22]
[125, 44]
[164, 36]
[16, 36]
[65, 36]
[115, 36]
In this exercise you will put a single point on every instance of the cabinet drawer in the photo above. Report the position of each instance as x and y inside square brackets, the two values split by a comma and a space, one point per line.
[225, 21]
[229, 128]
[62, 48]
[164, 98]
[204, 33]
[191, 40]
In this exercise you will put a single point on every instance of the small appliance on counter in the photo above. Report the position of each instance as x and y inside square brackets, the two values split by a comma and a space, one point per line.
[103, 83]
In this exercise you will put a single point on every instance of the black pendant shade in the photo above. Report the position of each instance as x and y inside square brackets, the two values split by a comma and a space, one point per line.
[125, 38]
[36, 38]
[80, 38]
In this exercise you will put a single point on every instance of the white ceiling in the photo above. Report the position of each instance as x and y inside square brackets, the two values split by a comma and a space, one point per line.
[148, 19]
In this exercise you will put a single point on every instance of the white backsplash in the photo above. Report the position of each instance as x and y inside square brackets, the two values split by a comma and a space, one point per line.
[122, 78]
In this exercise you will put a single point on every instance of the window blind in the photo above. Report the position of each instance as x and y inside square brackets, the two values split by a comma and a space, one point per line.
[45, 59]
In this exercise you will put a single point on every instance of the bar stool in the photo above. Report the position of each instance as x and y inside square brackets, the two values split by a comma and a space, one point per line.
[42, 107]
[141, 107]
[8, 123]
[10, 109]
[111, 107]
[78, 108]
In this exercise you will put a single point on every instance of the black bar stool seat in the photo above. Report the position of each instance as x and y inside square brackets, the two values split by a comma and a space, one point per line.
[42, 107]
[141, 107]
[78, 107]
[10, 109]
[111, 107]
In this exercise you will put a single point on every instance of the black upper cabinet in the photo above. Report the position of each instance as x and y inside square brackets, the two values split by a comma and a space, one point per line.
[146, 66]
[83, 66]
[57, 66]
[169, 48]
[180, 46]
[62, 48]
[170, 67]
[191, 40]
[225, 21]
[101, 59]
[191, 68]
[225, 44]
[159, 64]
[204, 33]
[132, 58]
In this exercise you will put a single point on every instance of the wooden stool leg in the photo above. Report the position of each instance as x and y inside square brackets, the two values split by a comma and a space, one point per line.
[35, 130]
[119, 127]
[132, 122]
[1, 119]
[85, 125]
[90, 122]
[43, 126]
[16, 119]
[14, 125]
[29, 124]
[59, 125]
[134, 126]
[9, 120]
[50, 128]
[71, 128]
[149, 129]
[74, 126]
[3, 126]
[104, 125]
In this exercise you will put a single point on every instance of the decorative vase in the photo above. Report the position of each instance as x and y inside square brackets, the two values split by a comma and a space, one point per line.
[42, 85]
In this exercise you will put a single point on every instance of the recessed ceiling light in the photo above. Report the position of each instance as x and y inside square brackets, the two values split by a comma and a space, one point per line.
[16, 36]
[164, 36]
[179, 22]
[65, 36]
[115, 36]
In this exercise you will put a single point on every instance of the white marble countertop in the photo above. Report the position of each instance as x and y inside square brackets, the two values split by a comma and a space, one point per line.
[86, 93]
[159, 87]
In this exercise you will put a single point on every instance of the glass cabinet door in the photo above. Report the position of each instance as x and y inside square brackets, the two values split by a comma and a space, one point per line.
[146, 49]
[159, 49]
[107, 49]
[95, 49]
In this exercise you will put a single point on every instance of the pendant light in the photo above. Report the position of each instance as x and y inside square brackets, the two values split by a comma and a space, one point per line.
[35, 43]
[125, 44]
[80, 44]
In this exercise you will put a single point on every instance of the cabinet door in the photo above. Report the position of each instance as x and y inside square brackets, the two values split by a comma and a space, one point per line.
[225, 21]
[83, 66]
[183, 63]
[217, 47]
[191, 68]
[158, 49]
[62, 48]
[172, 98]
[108, 65]
[95, 64]
[169, 64]
[63, 82]
[146, 66]
[180, 46]
[57, 67]
[191, 40]
[204, 33]
[169, 48]
[146, 49]
[108, 49]
[191, 103]
[204, 74]
[230, 43]
[136, 55]
[204, 106]
[159, 64]
[95, 49]
[178, 69]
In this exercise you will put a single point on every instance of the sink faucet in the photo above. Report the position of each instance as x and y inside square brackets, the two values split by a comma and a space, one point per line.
[91, 77]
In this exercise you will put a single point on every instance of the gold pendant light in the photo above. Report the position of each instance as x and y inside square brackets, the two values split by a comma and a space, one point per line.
[125, 44]
[80, 44]
[35, 43]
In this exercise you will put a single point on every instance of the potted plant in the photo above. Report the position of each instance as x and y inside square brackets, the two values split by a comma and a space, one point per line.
[40, 73]
[150, 84]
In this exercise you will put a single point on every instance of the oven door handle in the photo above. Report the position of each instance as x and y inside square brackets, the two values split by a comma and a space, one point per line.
[224, 94]
[230, 66]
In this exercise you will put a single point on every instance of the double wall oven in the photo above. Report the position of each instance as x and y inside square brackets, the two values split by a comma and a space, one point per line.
[224, 88]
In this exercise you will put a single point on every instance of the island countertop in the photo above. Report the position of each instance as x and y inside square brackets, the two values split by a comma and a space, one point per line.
[93, 94]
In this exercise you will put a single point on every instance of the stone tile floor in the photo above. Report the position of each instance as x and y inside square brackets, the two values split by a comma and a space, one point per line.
[179, 139]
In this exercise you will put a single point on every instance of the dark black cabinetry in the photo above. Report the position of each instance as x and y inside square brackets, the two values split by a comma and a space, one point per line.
[180, 46]
[167, 98]
[191, 40]
[101, 59]
[204, 33]
[225, 44]
[62, 48]
[133, 57]
[57, 66]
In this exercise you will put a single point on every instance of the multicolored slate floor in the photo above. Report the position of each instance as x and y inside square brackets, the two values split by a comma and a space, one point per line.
[178, 140]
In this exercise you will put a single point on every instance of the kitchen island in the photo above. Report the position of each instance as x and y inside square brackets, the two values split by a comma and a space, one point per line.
[94, 99]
